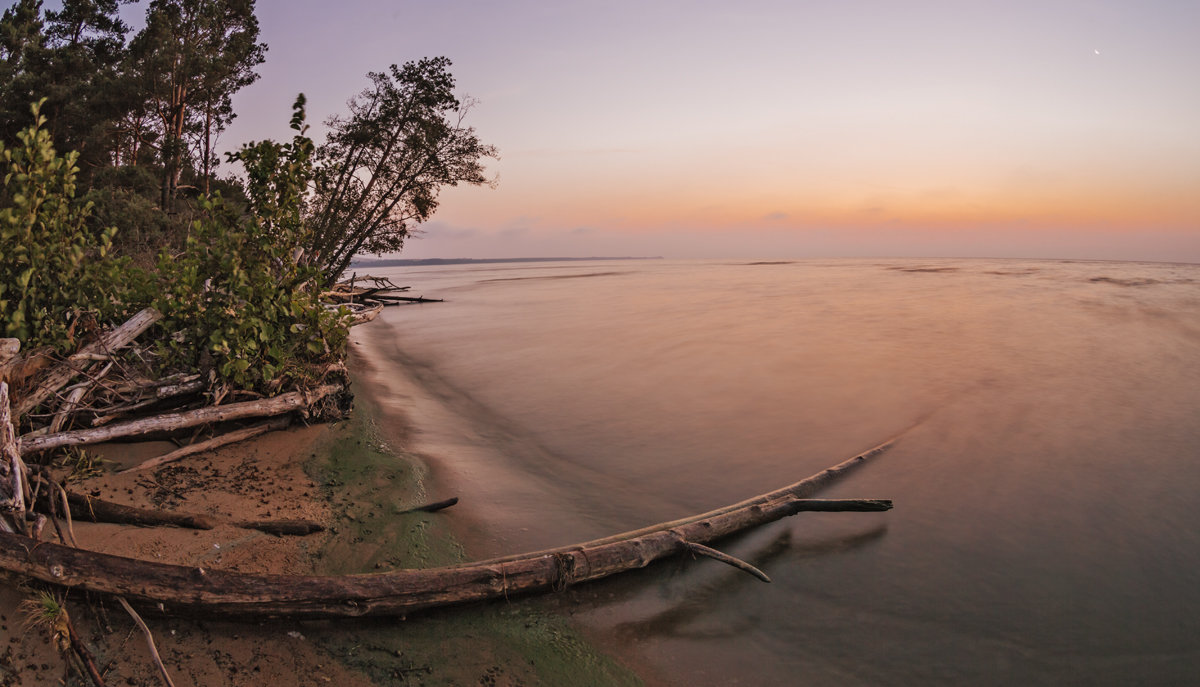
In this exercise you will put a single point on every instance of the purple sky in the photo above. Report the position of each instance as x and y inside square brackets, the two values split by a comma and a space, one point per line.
[1058, 128]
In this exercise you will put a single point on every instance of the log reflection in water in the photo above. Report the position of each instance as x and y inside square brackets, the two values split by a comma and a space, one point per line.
[701, 600]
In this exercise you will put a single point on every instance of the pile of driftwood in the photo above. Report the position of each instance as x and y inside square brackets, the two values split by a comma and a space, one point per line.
[104, 393]
[367, 296]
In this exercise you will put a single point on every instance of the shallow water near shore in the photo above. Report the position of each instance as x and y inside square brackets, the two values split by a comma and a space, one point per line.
[1045, 482]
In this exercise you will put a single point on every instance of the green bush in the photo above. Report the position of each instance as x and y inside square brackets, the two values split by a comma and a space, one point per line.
[145, 229]
[239, 292]
[55, 272]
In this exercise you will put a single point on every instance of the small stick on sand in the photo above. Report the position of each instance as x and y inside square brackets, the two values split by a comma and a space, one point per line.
[431, 507]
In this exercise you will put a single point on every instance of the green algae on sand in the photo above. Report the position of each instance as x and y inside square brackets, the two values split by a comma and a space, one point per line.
[368, 484]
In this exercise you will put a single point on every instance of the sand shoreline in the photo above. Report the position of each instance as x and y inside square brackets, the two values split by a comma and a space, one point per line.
[352, 477]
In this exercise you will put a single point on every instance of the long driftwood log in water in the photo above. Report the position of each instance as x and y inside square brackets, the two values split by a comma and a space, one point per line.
[267, 407]
[215, 592]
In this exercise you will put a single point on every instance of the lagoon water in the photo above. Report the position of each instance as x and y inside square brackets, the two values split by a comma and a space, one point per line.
[1046, 528]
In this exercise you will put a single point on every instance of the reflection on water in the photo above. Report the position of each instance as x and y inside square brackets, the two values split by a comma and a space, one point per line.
[1044, 529]
[679, 619]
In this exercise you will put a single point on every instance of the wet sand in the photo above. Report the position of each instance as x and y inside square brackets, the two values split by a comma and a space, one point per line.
[264, 479]
[355, 477]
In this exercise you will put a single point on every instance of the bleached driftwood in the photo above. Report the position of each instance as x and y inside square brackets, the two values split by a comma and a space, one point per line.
[13, 473]
[360, 314]
[169, 422]
[9, 348]
[104, 346]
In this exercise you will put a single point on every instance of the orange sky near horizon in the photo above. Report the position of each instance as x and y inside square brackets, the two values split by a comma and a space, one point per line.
[703, 128]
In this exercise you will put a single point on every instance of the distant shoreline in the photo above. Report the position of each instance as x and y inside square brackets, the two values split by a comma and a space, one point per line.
[397, 262]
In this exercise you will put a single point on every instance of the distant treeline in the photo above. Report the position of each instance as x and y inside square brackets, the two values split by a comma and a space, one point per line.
[472, 261]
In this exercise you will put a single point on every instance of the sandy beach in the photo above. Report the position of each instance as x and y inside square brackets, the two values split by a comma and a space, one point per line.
[353, 477]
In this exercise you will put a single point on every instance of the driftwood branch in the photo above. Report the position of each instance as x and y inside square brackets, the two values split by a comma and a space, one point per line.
[105, 345]
[158, 392]
[13, 473]
[361, 314]
[216, 592]
[162, 669]
[411, 299]
[83, 654]
[73, 399]
[702, 550]
[268, 407]
[210, 444]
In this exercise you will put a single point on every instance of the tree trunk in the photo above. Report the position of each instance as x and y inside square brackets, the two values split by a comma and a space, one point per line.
[174, 588]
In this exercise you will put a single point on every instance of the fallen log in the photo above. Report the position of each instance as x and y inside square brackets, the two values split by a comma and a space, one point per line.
[174, 588]
[412, 299]
[87, 508]
[105, 345]
[210, 444]
[93, 509]
[169, 422]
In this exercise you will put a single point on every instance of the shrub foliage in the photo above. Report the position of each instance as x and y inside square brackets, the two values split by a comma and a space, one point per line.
[238, 295]
[56, 273]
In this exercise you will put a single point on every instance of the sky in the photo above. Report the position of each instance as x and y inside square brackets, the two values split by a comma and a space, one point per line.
[763, 128]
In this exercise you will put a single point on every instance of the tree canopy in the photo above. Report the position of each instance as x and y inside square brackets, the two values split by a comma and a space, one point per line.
[142, 115]
[382, 166]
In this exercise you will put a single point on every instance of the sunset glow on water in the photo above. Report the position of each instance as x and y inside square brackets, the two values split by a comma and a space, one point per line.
[1044, 482]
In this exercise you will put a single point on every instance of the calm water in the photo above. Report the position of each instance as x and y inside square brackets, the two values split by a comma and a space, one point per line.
[1047, 519]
